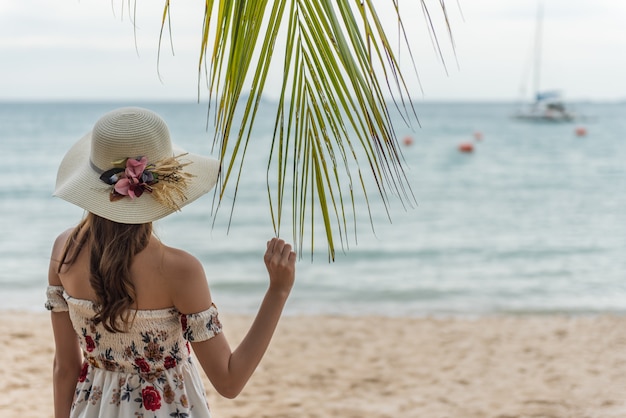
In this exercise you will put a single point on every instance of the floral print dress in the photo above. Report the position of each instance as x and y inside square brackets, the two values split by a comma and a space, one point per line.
[147, 372]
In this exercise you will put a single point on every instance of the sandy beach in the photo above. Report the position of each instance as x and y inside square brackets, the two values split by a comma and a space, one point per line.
[352, 367]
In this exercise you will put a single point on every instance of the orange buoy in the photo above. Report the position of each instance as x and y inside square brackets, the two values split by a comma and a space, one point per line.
[408, 141]
[466, 147]
[581, 131]
[478, 136]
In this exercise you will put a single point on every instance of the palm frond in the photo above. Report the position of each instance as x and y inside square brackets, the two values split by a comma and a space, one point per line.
[332, 124]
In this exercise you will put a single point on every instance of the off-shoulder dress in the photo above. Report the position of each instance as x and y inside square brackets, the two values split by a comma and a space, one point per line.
[146, 372]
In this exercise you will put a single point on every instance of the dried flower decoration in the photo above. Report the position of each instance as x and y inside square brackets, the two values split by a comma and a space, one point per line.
[164, 179]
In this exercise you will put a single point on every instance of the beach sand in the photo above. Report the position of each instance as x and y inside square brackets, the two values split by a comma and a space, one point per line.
[317, 366]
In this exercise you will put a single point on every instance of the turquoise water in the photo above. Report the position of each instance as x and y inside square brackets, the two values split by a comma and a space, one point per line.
[534, 220]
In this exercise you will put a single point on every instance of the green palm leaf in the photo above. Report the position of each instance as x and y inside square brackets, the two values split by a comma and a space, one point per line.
[332, 127]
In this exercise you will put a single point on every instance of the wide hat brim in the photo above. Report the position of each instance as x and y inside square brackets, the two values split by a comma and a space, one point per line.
[80, 184]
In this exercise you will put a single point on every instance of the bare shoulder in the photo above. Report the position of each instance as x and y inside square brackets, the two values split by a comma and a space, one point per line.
[59, 244]
[187, 280]
[56, 255]
[181, 265]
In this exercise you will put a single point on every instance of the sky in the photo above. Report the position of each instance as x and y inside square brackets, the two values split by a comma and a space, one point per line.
[90, 50]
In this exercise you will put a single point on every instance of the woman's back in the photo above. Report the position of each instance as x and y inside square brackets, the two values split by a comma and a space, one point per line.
[149, 367]
[155, 272]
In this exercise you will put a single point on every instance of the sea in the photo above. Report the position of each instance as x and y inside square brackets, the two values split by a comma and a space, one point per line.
[532, 221]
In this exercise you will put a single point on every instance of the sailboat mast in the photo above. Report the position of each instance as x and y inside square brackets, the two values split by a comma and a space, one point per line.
[538, 41]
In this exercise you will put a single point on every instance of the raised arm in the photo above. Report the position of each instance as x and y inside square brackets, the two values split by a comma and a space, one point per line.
[229, 371]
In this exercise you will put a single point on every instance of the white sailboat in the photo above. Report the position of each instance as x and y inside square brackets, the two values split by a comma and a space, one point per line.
[548, 106]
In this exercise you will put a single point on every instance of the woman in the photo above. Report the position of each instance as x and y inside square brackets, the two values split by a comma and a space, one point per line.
[126, 309]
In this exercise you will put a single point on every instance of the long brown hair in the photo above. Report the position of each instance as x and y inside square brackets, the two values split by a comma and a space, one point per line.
[112, 247]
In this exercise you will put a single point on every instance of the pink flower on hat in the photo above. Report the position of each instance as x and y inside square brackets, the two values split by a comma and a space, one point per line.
[135, 168]
[133, 183]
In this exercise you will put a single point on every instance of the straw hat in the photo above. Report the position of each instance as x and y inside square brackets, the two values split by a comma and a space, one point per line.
[170, 180]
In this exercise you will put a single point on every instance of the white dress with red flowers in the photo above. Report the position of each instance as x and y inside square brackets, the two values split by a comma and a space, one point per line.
[145, 372]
